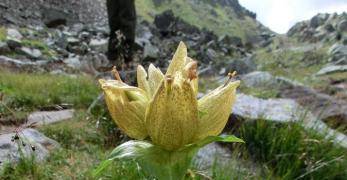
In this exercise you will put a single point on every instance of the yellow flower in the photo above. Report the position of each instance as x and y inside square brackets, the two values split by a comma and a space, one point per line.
[165, 108]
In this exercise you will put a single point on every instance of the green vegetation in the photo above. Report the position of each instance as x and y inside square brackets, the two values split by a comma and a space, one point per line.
[38, 44]
[3, 33]
[31, 91]
[285, 151]
[223, 22]
[288, 151]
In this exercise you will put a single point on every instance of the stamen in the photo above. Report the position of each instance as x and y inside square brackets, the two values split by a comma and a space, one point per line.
[116, 74]
[169, 79]
[231, 77]
[191, 70]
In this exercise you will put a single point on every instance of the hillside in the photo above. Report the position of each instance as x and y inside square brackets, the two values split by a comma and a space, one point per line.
[226, 17]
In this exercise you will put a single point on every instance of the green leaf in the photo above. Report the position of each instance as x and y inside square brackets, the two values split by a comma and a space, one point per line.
[157, 162]
[222, 138]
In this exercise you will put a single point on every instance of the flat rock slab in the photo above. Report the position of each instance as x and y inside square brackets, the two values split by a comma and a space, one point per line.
[332, 69]
[48, 117]
[280, 110]
[284, 110]
[10, 152]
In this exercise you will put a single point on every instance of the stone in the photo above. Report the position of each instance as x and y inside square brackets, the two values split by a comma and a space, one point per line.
[14, 43]
[329, 27]
[10, 152]
[48, 117]
[99, 45]
[211, 54]
[150, 51]
[258, 79]
[318, 20]
[337, 49]
[342, 26]
[4, 49]
[53, 18]
[332, 69]
[14, 34]
[242, 66]
[72, 41]
[16, 64]
[278, 110]
[206, 156]
[283, 111]
[31, 53]
[73, 62]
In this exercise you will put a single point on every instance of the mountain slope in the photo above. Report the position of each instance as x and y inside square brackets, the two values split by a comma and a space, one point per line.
[224, 17]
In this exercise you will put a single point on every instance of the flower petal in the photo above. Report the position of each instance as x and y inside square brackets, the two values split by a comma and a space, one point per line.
[127, 106]
[172, 115]
[178, 60]
[216, 107]
[155, 76]
[142, 79]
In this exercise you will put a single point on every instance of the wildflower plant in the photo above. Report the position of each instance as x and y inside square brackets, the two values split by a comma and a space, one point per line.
[165, 117]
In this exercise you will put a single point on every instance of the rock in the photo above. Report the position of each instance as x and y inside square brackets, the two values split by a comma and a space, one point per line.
[234, 40]
[208, 155]
[4, 49]
[342, 26]
[337, 49]
[242, 66]
[279, 110]
[283, 111]
[73, 62]
[318, 20]
[165, 20]
[14, 44]
[31, 53]
[329, 27]
[258, 79]
[48, 117]
[54, 18]
[150, 51]
[9, 151]
[14, 34]
[332, 69]
[15, 64]
[211, 54]
[73, 41]
[99, 45]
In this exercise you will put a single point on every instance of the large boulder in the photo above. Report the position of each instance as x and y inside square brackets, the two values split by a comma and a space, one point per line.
[31, 144]
[258, 79]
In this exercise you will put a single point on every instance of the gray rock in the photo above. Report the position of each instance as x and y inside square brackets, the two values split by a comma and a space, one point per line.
[14, 34]
[16, 64]
[337, 49]
[332, 69]
[242, 66]
[72, 41]
[10, 151]
[283, 111]
[342, 26]
[14, 44]
[211, 54]
[279, 110]
[54, 18]
[31, 53]
[73, 62]
[318, 20]
[258, 79]
[4, 49]
[150, 51]
[48, 117]
[207, 156]
[99, 45]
